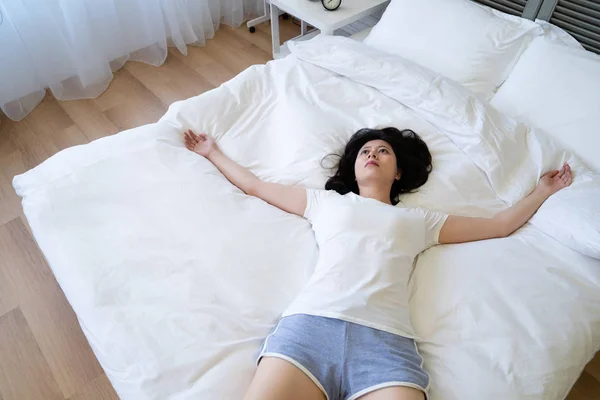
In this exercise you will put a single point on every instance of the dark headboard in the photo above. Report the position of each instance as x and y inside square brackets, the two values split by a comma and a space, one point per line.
[522, 8]
[581, 18]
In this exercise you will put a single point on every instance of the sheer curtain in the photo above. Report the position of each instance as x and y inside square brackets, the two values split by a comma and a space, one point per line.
[72, 47]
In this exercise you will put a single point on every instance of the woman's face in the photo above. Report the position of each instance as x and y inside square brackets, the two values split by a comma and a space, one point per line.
[376, 164]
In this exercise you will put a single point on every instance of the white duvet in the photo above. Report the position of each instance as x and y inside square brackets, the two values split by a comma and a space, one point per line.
[176, 276]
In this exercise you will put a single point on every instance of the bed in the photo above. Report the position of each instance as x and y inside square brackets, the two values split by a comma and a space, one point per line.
[176, 276]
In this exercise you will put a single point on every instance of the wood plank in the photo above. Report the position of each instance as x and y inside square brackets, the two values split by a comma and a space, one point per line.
[128, 104]
[593, 368]
[46, 121]
[9, 299]
[173, 81]
[32, 152]
[49, 315]
[89, 118]
[69, 137]
[216, 67]
[24, 373]
[575, 395]
[261, 37]
[10, 165]
[61, 340]
[7, 146]
[204, 65]
[21, 260]
[123, 90]
[98, 389]
[128, 118]
[48, 117]
[242, 46]
[287, 29]
[586, 387]
[224, 51]
[10, 203]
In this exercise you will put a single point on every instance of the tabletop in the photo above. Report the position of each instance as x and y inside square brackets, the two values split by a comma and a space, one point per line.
[316, 15]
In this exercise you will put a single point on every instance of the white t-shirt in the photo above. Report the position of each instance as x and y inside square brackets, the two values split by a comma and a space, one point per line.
[366, 254]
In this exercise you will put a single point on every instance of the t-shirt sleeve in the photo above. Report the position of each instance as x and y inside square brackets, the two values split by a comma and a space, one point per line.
[314, 201]
[434, 221]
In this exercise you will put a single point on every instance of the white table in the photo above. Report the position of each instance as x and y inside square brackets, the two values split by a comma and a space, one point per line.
[313, 13]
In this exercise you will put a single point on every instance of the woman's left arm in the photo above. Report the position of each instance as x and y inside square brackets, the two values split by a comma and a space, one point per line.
[458, 229]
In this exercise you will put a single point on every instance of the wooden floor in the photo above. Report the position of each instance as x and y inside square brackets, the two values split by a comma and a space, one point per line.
[43, 353]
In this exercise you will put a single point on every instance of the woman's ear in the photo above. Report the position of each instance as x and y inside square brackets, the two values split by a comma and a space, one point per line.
[398, 175]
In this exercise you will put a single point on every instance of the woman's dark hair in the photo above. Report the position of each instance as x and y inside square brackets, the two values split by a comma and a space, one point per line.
[412, 154]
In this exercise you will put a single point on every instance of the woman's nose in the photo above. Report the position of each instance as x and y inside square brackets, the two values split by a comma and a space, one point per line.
[373, 155]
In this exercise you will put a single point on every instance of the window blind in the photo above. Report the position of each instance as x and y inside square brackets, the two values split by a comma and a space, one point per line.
[514, 7]
[581, 18]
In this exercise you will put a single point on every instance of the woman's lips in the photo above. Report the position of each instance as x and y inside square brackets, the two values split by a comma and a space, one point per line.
[371, 163]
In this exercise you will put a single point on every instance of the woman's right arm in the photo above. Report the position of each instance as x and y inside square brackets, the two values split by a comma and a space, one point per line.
[288, 198]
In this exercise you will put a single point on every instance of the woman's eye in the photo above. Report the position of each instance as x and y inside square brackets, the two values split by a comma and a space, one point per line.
[364, 151]
[383, 150]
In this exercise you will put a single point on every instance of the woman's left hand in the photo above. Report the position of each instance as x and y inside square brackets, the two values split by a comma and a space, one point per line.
[553, 181]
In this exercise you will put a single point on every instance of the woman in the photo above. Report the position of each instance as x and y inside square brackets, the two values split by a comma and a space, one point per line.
[348, 334]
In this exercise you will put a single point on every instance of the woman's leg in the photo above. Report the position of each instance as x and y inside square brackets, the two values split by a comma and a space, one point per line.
[394, 393]
[277, 379]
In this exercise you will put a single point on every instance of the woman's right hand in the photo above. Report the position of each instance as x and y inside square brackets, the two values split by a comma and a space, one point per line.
[288, 198]
[202, 143]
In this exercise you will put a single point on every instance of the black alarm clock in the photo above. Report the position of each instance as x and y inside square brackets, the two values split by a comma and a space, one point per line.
[331, 5]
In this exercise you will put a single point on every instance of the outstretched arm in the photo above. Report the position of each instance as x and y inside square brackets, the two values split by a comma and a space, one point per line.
[288, 198]
[466, 229]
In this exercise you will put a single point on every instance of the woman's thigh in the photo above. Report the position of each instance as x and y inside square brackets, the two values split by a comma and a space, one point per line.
[394, 393]
[277, 379]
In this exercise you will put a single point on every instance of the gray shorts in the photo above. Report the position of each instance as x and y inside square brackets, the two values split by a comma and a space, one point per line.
[343, 359]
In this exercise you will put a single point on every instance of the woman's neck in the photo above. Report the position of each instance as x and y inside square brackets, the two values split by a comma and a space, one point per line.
[377, 193]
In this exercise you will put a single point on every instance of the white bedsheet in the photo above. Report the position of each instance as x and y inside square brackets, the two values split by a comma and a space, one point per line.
[176, 275]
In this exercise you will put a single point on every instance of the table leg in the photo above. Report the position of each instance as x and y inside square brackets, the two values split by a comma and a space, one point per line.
[275, 30]
[303, 28]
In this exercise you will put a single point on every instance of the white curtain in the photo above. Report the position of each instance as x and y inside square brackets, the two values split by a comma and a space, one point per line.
[72, 47]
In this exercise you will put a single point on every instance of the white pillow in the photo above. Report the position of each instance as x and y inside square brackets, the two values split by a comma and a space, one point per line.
[471, 44]
[557, 88]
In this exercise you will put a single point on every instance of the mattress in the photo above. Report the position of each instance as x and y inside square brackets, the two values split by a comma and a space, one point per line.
[176, 276]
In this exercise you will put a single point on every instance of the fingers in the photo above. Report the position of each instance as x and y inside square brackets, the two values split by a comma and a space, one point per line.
[568, 180]
[563, 177]
[567, 177]
[198, 137]
[191, 135]
[561, 171]
[189, 141]
[551, 174]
